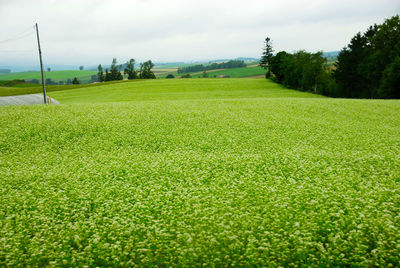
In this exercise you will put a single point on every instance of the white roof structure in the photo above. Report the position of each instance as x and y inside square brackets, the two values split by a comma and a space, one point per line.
[26, 100]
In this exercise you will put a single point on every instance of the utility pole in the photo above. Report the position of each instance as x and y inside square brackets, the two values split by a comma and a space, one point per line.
[41, 64]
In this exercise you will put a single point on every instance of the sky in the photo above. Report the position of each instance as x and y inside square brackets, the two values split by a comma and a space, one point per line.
[89, 32]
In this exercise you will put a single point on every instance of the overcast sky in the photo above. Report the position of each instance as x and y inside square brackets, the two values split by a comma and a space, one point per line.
[93, 31]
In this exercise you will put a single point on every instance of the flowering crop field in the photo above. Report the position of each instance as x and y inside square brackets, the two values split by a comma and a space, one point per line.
[218, 177]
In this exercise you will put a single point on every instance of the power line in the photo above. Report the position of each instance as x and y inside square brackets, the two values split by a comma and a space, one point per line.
[21, 35]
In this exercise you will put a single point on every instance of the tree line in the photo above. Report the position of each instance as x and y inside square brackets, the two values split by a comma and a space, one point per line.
[213, 66]
[369, 67]
[114, 73]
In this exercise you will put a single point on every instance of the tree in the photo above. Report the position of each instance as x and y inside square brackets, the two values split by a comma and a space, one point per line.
[48, 69]
[100, 74]
[145, 70]
[93, 78]
[50, 82]
[390, 84]
[266, 57]
[75, 81]
[107, 77]
[81, 68]
[170, 76]
[205, 74]
[366, 68]
[186, 76]
[69, 81]
[130, 69]
[115, 74]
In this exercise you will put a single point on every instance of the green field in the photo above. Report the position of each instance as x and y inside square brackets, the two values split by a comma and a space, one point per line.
[233, 73]
[200, 172]
[82, 76]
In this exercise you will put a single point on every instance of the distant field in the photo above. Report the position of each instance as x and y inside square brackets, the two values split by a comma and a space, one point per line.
[83, 75]
[234, 72]
[22, 89]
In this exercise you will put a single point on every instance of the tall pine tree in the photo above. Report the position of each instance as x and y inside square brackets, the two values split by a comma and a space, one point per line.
[266, 57]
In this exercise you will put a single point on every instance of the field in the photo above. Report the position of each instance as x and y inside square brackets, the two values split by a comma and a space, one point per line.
[212, 172]
[234, 72]
[56, 76]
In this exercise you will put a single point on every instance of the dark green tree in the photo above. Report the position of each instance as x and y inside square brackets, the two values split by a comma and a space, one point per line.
[265, 61]
[115, 74]
[366, 67]
[145, 70]
[100, 73]
[81, 68]
[205, 74]
[130, 69]
[75, 81]
[390, 83]
[170, 76]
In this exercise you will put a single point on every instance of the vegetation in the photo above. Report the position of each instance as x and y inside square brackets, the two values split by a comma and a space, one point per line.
[213, 66]
[29, 88]
[56, 76]
[130, 69]
[75, 81]
[170, 76]
[242, 72]
[265, 61]
[213, 172]
[369, 66]
[145, 71]
[114, 74]
[303, 71]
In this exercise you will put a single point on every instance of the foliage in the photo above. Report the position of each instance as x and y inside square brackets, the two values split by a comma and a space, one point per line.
[50, 82]
[145, 71]
[265, 61]
[83, 76]
[303, 71]
[100, 74]
[130, 69]
[366, 67]
[114, 74]
[75, 81]
[81, 68]
[229, 172]
[213, 66]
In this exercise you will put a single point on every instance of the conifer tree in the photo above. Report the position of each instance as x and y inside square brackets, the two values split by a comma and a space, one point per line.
[266, 57]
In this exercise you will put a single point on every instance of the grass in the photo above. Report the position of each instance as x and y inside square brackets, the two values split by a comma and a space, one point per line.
[171, 89]
[234, 72]
[237, 72]
[26, 88]
[213, 172]
[83, 75]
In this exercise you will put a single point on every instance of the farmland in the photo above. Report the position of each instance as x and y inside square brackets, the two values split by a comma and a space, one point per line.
[212, 172]
[233, 72]
[83, 75]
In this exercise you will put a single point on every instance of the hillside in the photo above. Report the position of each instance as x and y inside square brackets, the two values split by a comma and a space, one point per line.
[83, 75]
[214, 172]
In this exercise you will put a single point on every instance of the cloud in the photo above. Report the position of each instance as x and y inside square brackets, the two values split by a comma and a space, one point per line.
[90, 32]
